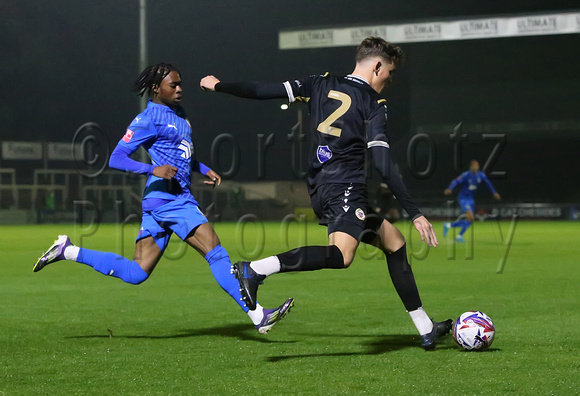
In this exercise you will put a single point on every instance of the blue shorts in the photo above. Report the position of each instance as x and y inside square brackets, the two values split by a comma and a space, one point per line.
[466, 204]
[180, 216]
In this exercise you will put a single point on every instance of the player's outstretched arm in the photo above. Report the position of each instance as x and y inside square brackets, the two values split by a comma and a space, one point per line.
[426, 231]
[208, 83]
[246, 89]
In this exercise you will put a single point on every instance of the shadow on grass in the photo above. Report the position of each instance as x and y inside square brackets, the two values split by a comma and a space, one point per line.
[378, 346]
[482, 351]
[239, 331]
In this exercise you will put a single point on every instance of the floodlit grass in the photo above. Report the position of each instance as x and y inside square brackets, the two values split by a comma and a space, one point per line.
[70, 330]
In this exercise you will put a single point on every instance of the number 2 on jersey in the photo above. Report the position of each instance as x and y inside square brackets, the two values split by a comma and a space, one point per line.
[325, 126]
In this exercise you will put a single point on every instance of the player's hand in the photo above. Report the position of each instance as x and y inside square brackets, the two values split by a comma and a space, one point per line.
[208, 83]
[167, 172]
[426, 231]
[447, 191]
[215, 179]
[497, 196]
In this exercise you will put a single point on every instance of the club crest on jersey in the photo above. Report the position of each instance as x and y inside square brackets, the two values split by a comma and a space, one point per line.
[128, 135]
[323, 154]
[360, 214]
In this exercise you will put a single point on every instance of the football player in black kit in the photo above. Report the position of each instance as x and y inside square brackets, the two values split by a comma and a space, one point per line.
[348, 121]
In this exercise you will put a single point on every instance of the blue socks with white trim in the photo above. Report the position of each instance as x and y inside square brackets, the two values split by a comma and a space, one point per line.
[221, 268]
[112, 264]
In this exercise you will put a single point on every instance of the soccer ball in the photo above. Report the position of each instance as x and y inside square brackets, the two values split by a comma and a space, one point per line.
[473, 330]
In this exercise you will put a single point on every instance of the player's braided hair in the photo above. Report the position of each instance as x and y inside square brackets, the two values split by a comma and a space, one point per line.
[376, 46]
[152, 76]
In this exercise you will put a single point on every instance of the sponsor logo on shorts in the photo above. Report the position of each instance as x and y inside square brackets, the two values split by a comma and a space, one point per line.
[323, 154]
[360, 214]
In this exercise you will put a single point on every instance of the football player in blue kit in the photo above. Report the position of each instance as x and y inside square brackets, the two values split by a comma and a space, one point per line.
[168, 204]
[469, 181]
[348, 122]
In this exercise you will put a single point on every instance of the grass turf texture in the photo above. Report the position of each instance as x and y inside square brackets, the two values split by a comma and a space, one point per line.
[70, 330]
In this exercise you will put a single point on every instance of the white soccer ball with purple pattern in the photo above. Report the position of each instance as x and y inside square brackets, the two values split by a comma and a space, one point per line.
[473, 330]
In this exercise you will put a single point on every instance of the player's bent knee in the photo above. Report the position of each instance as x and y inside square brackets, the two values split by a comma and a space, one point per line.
[135, 275]
[393, 244]
[345, 259]
[348, 259]
[137, 280]
[397, 244]
[337, 258]
[469, 216]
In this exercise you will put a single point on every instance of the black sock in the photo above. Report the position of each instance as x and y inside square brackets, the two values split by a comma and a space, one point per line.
[311, 258]
[403, 279]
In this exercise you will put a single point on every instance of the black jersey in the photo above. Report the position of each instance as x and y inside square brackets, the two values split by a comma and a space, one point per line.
[347, 116]
[348, 120]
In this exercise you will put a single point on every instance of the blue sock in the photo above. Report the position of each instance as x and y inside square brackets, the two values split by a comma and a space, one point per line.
[464, 226]
[221, 268]
[113, 265]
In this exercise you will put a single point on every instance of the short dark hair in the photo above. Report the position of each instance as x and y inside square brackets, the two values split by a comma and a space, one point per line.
[152, 76]
[376, 46]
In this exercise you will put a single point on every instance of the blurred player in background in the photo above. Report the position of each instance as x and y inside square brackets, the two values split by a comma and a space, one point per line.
[469, 181]
[168, 205]
[348, 120]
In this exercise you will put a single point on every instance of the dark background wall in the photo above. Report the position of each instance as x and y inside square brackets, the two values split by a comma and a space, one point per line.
[64, 63]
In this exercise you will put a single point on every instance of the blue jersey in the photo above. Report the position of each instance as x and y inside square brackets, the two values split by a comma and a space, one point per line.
[166, 135]
[469, 182]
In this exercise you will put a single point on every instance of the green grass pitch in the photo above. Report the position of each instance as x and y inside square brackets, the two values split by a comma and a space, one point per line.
[69, 330]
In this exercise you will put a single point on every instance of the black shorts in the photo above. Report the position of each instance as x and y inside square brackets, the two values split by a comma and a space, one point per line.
[345, 208]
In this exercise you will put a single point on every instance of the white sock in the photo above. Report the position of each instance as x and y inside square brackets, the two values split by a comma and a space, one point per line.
[267, 266]
[257, 314]
[422, 322]
[71, 252]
